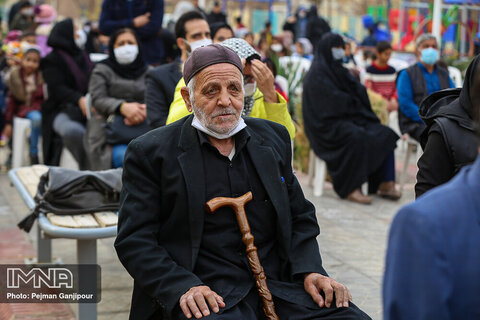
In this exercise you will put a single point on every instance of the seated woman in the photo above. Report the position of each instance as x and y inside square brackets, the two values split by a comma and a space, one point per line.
[117, 87]
[342, 128]
[449, 138]
[66, 70]
[25, 98]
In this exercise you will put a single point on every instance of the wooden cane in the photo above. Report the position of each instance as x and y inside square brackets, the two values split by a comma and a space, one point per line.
[238, 206]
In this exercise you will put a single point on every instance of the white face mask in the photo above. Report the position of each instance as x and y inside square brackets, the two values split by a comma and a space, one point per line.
[81, 38]
[28, 12]
[197, 44]
[126, 54]
[250, 88]
[338, 53]
[277, 47]
[196, 123]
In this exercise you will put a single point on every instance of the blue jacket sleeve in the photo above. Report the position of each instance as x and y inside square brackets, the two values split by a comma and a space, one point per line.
[405, 97]
[416, 282]
[155, 24]
[107, 24]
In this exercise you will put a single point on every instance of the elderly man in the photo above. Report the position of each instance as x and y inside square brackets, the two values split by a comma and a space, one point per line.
[261, 100]
[417, 82]
[187, 263]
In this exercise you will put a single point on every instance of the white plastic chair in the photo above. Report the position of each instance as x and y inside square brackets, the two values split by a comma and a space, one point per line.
[317, 172]
[411, 145]
[21, 129]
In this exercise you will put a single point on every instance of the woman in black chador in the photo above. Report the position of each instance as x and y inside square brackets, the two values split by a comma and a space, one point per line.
[342, 128]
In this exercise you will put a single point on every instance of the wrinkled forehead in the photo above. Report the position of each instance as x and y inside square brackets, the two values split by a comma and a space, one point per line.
[219, 73]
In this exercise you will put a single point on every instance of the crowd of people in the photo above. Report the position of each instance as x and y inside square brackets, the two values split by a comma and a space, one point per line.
[190, 91]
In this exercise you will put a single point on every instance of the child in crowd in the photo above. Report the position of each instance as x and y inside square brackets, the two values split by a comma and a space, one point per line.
[380, 76]
[303, 48]
[45, 16]
[25, 97]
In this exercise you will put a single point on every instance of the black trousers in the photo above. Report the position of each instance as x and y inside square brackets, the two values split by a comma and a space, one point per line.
[251, 308]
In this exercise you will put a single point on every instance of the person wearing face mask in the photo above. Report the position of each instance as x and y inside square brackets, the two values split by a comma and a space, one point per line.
[66, 71]
[191, 32]
[261, 99]
[23, 20]
[343, 130]
[448, 140]
[417, 82]
[277, 48]
[117, 87]
[144, 17]
[14, 9]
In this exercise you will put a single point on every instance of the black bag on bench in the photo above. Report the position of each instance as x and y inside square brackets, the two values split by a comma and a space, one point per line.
[68, 192]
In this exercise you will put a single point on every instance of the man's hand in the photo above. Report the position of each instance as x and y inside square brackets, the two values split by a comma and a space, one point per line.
[314, 283]
[142, 20]
[265, 80]
[194, 301]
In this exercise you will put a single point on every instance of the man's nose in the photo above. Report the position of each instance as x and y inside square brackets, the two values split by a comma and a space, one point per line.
[224, 98]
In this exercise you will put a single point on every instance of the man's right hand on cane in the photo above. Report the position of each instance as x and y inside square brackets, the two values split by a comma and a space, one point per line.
[195, 300]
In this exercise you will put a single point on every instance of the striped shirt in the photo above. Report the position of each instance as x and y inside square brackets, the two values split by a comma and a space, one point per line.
[381, 80]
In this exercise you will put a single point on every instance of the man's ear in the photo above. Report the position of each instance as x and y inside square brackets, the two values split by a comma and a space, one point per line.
[186, 98]
[181, 44]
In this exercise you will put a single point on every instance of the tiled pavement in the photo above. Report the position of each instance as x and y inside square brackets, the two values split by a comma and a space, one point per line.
[352, 243]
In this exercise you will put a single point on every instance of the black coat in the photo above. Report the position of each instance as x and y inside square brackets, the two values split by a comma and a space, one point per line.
[163, 199]
[160, 89]
[448, 140]
[62, 87]
[339, 121]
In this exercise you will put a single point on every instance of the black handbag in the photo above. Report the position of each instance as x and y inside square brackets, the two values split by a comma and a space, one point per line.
[68, 192]
[119, 133]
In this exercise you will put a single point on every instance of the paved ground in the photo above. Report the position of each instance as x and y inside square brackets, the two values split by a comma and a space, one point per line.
[352, 243]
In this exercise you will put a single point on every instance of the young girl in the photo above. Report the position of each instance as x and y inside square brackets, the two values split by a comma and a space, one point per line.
[25, 97]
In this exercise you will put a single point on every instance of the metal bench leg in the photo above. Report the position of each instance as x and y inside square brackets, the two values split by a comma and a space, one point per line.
[87, 254]
[44, 247]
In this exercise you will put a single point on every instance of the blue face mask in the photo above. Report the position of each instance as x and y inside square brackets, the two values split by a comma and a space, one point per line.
[338, 53]
[429, 56]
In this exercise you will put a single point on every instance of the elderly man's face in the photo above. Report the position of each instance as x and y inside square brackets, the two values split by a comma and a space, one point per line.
[218, 97]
